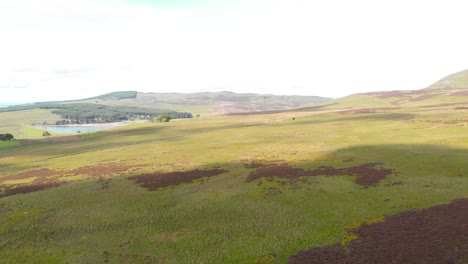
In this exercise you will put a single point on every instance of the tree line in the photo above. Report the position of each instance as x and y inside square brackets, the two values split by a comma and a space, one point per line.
[94, 113]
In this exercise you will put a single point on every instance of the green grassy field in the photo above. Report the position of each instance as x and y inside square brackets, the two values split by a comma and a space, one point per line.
[19, 123]
[224, 219]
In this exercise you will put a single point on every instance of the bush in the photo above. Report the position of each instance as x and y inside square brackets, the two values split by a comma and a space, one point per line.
[46, 134]
[6, 137]
[164, 118]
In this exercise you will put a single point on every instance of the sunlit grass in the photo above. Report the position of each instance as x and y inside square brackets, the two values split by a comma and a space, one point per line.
[224, 219]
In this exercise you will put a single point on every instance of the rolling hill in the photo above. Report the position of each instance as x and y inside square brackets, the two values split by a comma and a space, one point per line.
[132, 105]
[454, 81]
[212, 103]
[449, 91]
[370, 178]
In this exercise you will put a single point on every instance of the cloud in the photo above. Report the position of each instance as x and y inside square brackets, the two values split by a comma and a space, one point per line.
[329, 48]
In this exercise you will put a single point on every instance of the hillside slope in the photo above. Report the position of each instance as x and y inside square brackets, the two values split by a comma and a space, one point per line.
[457, 80]
[451, 90]
[254, 188]
[132, 105]
[234, 189]
[214, 103]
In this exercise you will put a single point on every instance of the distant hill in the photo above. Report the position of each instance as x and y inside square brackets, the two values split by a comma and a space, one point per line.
[457, 80]
[208, 103]
[132, 105]
[7, 104]
[450, 90]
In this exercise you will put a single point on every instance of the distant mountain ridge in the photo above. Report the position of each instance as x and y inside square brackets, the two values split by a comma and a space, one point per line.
[209, 102]
[204, 103]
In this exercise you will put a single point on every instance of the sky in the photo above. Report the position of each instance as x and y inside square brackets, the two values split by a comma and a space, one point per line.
[60, 50]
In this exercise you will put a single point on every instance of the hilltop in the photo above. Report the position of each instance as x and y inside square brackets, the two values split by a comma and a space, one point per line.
[449, 91]
[454, 81]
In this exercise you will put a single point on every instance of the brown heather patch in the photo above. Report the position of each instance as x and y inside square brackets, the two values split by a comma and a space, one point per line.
[366, 174]
[389, 94]
[422, 97]
[440, 121]
[155, 181]
[46, 178]
[437, 234]
[102, 169]
[44, 172]
[253, 165]
[36, 185]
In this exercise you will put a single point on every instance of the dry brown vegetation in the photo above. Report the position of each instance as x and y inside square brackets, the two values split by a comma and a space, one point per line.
[155, 181]
[45, 178]
[366, 174]
[434, 235]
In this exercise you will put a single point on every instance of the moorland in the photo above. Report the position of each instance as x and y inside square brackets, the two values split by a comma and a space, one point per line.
[379, 177]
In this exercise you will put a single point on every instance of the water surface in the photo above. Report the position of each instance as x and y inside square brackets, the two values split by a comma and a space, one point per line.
[70, 129]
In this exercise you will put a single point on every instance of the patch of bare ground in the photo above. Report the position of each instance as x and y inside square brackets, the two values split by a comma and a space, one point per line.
[437, 234]
[45, 178]
[155, 181]
[366, 174]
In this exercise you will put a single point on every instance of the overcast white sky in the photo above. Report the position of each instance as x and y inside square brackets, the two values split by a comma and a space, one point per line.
[68, 49]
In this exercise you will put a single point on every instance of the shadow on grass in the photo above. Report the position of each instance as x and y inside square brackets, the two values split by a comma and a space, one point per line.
[368, 165]
[302, 109]
[356, 117]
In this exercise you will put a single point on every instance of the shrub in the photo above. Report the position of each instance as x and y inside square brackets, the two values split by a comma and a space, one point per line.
[164, 118]
[6, 137]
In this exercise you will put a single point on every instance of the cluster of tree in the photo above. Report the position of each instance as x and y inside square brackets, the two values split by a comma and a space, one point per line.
[170, 116]
[95, 113]
[163, 118]
[179, 115]
[88, 113]
[6, 137]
